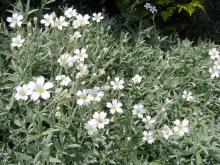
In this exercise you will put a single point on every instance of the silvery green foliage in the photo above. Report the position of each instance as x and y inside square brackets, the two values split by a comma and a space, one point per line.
[73, 93]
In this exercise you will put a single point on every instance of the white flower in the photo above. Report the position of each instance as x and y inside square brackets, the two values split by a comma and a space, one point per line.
[117, 84]
[94, 74]
[101, 119]
[80, 55]
[115, 106]
[106, 87]
[217, 63]
[48, 19]
[17, 41]
[81, 20]
[83, 68]
[139, 110]
[148, 136]
[65, 80]
[96, 94]
[66, 60]
[168, 101]
[148, 120]
[16, 19]
[84, 97]
[76, 35]
[101, 71]
[70, 12]
[181, 127]
[156, 87]
[137, 79]
[61, 22]
[187, 95]
[58, 114]
[151, 8]
[40, 89]
[167, 132]
[215, 72]
[147, 5]
[214, 54]
[91, 126]
[97, 17]
[23, 92]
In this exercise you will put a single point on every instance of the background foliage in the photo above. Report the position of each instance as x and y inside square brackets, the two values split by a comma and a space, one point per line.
[184, 16]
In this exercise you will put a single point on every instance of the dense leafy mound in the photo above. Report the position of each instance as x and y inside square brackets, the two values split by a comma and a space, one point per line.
[73, 93]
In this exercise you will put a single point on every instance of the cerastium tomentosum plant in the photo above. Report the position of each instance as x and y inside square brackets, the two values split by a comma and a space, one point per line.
[73, 93]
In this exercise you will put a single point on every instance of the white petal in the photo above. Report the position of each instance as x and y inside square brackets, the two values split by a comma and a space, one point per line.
[59, 77]
[186, 129]
[48, 85]
[119, 110]
[177, 122]
[80, 102]
[112, 111]
[96, 115]
[185, 122]
[106, 121]
[181, 132]
[79, 93]
[40, 80]
[9, 19]
[101, 125]
[31, 85]
[18, 88]
[109, 105]
[45, 95]
[103, 114]
[35, 96]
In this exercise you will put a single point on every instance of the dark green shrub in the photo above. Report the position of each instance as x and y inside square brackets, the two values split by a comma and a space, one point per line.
[172, 6]
[166, 7]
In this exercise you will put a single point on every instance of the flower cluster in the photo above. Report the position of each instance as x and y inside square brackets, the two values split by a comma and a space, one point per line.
[71, 17]
[51, 20]
[115, 105]
[215, 57]
[64, 80]
[151, 8]
[98, 122]
[35, 89]
[87, 96]
[67, 60]
[139, 110]
[179, 129]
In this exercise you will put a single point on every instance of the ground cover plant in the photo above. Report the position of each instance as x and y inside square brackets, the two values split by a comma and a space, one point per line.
[74, 93]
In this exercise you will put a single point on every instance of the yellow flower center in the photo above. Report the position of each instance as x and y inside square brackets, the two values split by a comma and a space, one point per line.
[100, 120]
[114, 107]
[40, 89]
[84, 97]
[23, 93]
[180, 127]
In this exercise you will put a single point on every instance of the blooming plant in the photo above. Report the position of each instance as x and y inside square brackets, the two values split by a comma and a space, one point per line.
[74, 93]
[17, 41]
